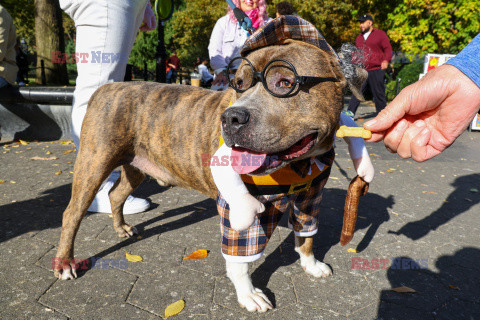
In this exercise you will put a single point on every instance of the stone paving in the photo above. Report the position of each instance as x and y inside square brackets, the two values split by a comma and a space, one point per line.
[419, 227]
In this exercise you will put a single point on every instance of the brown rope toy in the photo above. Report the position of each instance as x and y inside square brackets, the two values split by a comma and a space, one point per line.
[357, 188]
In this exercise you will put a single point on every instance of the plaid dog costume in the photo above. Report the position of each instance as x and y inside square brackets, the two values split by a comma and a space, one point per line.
[295, 189]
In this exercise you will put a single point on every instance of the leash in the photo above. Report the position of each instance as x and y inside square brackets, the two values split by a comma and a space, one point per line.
[243, 20]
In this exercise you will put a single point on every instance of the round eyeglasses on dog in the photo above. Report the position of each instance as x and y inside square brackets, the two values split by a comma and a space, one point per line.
[279, 77]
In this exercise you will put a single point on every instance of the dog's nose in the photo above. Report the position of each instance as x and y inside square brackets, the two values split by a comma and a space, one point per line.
[235, 118]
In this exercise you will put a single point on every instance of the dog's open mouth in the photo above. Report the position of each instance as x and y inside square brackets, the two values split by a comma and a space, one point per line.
[257, 163]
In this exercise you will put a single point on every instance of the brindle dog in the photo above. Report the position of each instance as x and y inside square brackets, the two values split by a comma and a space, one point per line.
[163, 130]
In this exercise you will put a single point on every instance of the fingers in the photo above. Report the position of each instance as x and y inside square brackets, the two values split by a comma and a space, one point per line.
[394, 136]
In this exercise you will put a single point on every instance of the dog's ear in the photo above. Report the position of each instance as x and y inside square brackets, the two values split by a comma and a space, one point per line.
[355, 83]
[351, 64]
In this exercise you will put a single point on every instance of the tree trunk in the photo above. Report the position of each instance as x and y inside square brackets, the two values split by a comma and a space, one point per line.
[50, 38]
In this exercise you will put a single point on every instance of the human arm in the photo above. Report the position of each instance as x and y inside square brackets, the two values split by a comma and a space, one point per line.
[387, 51]
[427, 116]
[358, 152]
[215, 51]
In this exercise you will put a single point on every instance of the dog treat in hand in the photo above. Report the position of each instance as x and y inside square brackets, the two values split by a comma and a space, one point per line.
[345, 131]
[358, 187]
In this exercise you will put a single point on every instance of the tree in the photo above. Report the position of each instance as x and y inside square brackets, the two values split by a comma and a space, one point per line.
[440, 26]
[49, 38]
[189, 29]
[22, 12]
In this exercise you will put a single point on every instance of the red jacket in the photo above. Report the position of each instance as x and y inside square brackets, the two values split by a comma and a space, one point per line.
[377, 48]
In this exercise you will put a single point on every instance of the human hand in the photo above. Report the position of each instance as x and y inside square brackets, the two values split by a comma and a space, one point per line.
[220, 79]
[384, 65]
[427, 116]
[149, 21]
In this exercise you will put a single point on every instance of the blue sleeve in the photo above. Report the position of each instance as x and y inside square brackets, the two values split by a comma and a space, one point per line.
[468, 60]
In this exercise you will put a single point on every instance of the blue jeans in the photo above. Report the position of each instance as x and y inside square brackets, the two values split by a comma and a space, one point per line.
[3, 82]
[172, 76]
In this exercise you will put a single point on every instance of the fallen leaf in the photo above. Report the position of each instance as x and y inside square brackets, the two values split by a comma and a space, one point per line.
[453, 287]
[199, 208]
[67, 142]
[392, 169]
[58, 173]
[404, 289]
[110, 216]
[431, 192]
[133, 257]
[2, 181]
[352, 250]
[48, 152]
[69, 151]
[474, 190]
[139, 237]
[395, 213]
[174, 308]
[199, 254]
[374, 155]
[334, 178]
[16, 182]
[362, 217]
[43, 158]
[463, 159]
[23, 142]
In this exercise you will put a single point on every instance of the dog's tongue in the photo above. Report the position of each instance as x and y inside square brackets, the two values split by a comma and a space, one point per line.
[245, 161]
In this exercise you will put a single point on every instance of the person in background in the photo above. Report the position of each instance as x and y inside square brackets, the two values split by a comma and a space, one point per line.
[173, 65]
[228, 37]
[8, 40]
[22, 62]
[207, 77]
[377, 53]
[110, 27]
[427, 116]
[197, 63]
[284, 8]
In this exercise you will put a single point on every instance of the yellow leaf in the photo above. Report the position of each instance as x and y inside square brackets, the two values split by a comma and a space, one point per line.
[374, 155]
[16, 182]
[48, 152]
[352, 250]
[23, 142]
[133, 257]
[174, 308]
[67, 142]
[69, 151]
[453, 287]
[334, 178]
[2, 181]
[199, 254]
[58, 173]
[404, 289]
[43, 158]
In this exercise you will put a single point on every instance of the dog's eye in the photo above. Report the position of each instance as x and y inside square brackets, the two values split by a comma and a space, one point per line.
[284, 83]
[239, 83]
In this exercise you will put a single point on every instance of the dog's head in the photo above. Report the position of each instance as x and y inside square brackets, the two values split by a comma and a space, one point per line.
[302, 123]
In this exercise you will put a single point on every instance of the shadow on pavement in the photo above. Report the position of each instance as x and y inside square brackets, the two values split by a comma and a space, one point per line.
[465, 196]
[452, 293]
[372, 209]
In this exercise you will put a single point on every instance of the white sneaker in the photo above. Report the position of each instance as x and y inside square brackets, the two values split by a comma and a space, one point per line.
[101, 202]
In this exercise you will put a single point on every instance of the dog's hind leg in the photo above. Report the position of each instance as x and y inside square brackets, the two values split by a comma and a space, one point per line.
[89, 173]
[304, 247]
[130, 179]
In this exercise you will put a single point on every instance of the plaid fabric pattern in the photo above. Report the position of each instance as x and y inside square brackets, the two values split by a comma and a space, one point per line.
[282, 28]
[302, 207]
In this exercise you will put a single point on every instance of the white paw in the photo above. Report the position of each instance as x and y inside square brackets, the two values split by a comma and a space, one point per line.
[317, 269]
[67, 274]
[254, 300]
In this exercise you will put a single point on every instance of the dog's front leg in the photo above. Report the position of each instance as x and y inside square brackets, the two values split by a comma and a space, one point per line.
[304, 246]
[249, 297]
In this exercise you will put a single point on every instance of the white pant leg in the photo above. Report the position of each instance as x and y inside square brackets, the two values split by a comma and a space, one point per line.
[106, 28]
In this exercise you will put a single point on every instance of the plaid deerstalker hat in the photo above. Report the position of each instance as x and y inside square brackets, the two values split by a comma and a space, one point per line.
[282, 28]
